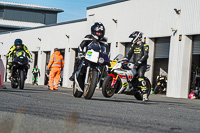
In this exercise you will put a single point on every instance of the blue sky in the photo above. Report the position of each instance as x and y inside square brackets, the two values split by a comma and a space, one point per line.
[73, 9]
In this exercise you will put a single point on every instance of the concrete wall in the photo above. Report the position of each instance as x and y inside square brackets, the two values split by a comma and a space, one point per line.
[155, 18]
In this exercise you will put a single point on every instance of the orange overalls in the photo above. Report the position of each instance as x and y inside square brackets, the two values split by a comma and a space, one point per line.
[56, 63]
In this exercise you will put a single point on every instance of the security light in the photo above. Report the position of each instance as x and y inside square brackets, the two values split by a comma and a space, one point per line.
[39, 39]
[177, 11]
[115, 20]
[1, 43]
[174, 31]
[67, 36]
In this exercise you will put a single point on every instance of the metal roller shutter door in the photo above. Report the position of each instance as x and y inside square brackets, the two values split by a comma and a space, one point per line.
[162, 46]
[196, 45]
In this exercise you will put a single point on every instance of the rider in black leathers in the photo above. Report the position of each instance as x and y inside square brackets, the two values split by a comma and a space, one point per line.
[97, 35]
[140, 51]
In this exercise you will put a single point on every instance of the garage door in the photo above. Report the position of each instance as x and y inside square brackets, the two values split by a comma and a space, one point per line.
[162, 47]
[196, 45]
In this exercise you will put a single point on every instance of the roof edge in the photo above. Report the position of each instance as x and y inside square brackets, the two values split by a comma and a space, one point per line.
[106, 4]
[33, 8]
[67, 22]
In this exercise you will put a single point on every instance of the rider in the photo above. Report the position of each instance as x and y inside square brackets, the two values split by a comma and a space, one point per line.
[97, 35]
[18, 45]
[140, 51]
[35, 72]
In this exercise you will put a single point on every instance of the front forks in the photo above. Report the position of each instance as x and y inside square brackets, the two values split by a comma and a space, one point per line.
[87, 75]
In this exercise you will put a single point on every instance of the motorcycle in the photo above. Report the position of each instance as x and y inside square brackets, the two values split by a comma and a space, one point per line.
[20, 67]
[161, 85]
[120, 79]
[90, 71]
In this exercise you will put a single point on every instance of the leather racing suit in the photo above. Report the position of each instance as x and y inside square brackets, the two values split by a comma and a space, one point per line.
[140, 56]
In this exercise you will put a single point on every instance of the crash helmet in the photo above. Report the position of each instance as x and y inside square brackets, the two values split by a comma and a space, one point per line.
[136, 36]
[98, 30]
[18, 44]
[192, 95]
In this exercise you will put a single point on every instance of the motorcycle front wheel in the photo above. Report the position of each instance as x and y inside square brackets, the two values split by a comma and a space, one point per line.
[139, 95]
[157, 89]
[21, 79]
[107, 90]
[90, 87]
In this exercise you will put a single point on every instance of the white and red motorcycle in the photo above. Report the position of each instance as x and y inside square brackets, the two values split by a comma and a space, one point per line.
[119, 78]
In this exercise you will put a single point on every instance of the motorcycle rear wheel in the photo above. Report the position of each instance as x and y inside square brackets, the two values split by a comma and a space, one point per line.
[139, 95]
[92, 81]
[107, 89]
[21, 79]
[13, 85]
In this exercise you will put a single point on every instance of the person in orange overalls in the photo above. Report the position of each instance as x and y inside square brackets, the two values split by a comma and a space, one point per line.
[56, 64]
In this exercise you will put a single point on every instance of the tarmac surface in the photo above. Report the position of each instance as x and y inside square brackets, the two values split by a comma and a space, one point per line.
[38, 110]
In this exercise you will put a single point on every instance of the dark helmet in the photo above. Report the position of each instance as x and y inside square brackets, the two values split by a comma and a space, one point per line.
[18, 44]
[136, 35]
[98, 30]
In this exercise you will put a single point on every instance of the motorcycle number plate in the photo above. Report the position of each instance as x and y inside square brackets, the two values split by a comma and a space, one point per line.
[92, 56]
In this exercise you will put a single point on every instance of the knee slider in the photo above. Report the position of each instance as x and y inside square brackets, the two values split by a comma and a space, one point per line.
[142, 81]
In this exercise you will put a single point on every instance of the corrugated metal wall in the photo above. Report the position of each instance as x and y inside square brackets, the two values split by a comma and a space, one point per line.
[30, 16]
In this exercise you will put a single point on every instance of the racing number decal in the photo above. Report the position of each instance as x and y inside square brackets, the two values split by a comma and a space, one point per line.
[125, 84]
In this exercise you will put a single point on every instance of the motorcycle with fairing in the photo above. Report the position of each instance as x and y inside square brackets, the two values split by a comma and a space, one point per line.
[161, 85]
[20, 68]
[122, 80]
[90, 71]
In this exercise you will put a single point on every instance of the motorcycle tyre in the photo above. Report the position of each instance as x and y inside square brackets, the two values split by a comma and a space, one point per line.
[93, 81]
[156, 89]
[107, 83]
[139, 95]
[21, 81]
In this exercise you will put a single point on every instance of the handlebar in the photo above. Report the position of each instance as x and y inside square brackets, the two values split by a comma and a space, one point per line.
[83, 56]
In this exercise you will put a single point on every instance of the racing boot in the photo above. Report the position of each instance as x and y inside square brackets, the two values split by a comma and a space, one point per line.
[143, 89]
[145, 97]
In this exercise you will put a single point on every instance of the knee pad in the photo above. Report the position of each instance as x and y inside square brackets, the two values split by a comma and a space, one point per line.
[142, 81]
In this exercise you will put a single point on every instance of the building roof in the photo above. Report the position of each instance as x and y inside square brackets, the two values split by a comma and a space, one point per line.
[106, 4]
[18, 24]
[29, 6]
[44, 26]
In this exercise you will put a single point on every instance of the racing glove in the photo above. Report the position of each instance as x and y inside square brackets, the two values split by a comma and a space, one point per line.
[80, 54]
[30, 60]
[136, 65]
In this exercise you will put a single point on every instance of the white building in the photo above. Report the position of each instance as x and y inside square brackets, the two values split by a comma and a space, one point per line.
[157, 19]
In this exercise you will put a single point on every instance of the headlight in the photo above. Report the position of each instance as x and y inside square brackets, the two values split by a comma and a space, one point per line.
[101, 60]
